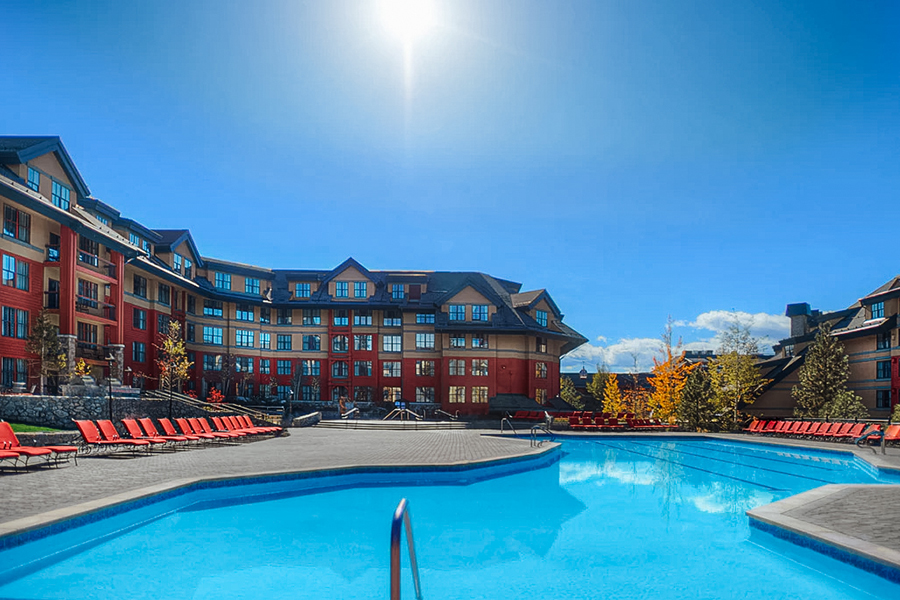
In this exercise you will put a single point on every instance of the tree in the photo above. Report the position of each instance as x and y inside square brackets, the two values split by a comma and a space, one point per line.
[172, 362]
[44, 342]
[668, 376]
[596, 387]
[697, 409]
[612, 397]
[734, 378]
[569, 394]
[822, 392]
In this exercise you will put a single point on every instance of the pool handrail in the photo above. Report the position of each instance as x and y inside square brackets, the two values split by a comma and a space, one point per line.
[401, 515]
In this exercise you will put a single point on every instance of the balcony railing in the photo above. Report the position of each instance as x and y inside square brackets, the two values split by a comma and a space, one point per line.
[89, 306]
[51, 300]
[90, 351]
[95, 263]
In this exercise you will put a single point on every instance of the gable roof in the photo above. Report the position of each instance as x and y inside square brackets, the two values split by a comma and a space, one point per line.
[528, 299]
[347, 264]
[17, 150]
[169, 239]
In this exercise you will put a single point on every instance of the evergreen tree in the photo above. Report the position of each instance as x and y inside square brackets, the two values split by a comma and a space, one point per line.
[44, 342]
[734, 378]
[697, 409]
[822, 392]
[569, 394]
[612, 397]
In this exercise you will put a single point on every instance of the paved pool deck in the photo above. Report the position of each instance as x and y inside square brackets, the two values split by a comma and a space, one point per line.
[852, 518]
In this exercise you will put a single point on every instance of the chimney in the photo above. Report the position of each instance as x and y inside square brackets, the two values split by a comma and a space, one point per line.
[799, 314]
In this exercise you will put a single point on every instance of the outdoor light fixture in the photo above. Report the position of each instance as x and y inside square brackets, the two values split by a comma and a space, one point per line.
[583, 373]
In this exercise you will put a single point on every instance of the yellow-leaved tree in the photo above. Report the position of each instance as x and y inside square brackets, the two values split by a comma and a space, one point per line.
[668, 377]
[612, 397]
[172, 363]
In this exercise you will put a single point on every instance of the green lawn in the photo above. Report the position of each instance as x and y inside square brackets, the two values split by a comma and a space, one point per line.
[19, 428]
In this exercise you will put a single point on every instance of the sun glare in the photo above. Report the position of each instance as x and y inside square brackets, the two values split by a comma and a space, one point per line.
[409, 20]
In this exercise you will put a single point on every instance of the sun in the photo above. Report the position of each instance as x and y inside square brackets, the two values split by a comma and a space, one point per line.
[408, 20]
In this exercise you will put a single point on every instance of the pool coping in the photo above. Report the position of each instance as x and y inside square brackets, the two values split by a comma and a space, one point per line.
[26, 529]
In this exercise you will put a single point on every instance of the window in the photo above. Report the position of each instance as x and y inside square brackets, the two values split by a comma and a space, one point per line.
[479, 341]
[362, 341]
[102, 219]
[243, 364]
[457, 341]
[341, 317]
[392, 394]
[541, 317]
[13, 370]
[285, 316]
[340, 369]
[223, 281]
[16, 224]
[138, 352]
[424, 318]
[392, 318]
[878, 310]
[883, 340]
[59, 195]
[190, 332]
[15, 323]
[308, 393]
[457, 394]
[283, 342]
[424, 394]
[540, 396]
[243, 312]
[425, 368]
[340, 343]
[480, 312]
[243, 338]
[34, 179]
[251, 285]
[164, 294]
[283, 391]
[362, 393]
[15, 272]
[135, 239]
[341, 289]
[479, 394]
[88, 292]
[265, 341]
[540, 344]
[139, 286]
[212, 362]
[212, 308]
[424, 341]
[397, 291]
[302, 290]
[87, 333]
[311, 343]
[360, 289]
[88, 250]
[457, 366]
[312, 316]
[265, 315]
[362, 316]
[188, 268]
[212, 335]
[883, 369]
[283, 367]
[162, 323]
[191, 305]
[139, 318]
[883, 399]
[362, 368]
[390, 368]
[457, 312]
[479, 367]
[177, 262]
[264, 366]
[391, 343]
[540, 370]
[309, 367]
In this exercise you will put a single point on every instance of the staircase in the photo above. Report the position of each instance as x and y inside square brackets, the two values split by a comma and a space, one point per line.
[162, 395]
[372, 424]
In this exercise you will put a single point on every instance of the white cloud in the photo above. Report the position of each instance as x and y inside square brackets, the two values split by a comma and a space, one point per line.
[762, 325]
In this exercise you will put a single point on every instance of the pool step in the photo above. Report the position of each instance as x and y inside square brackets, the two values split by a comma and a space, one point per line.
[391, 425]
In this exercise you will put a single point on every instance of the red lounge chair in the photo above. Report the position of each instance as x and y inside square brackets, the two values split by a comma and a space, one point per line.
[232, 425]
[186, 429]
[575, 422]
[843, 430]
[150, 430]
[91, 437]
[27, 453]
[804, 427]
[814, 428]
[588, 423]
[856, 431]
[770, 427]
[754, 426]
[782, 426]
[110, 434]
[135, 432]
[7, 455]
[795, 425]
[10, 442]
[613, 423]
[249, 423]
[892, 434]
[170, 431]
[204, 426]
[826, 432]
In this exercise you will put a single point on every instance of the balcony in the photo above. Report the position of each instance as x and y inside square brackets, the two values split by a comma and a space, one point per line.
[51, 300]
[97, 264]
[89, 351]
[89, 306]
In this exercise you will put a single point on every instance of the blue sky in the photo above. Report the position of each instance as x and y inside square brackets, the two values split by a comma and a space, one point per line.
[638, 159]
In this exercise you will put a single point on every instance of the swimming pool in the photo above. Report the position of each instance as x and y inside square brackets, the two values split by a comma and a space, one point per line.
[615, 517]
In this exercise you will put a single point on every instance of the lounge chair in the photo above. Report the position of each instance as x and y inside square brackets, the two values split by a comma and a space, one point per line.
[110, 434]
[754, 426]
[826, 432]
[10, 442]
[150, 430]
[892, 434]
[170, 431]
[855, 431]
[204, 426]
[249, 424]
[10, 456]
[91, 439]
[135, 432]
[575, 423]
[186, 429]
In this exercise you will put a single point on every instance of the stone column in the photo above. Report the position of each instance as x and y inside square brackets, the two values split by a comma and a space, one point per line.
[69, 345]
[118, 367]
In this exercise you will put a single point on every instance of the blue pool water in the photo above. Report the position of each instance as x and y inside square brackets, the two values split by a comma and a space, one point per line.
[614, 518]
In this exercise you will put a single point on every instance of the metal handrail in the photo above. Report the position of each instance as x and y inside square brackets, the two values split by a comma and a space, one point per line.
[452, 417]
[347, 414]
[508, 422]
[545, 429]
[402, 515]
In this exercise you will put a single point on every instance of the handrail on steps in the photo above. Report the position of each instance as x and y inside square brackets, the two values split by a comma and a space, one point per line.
[443, 412]
[534, 433]
[508, 421]
[347, 414]
[401, 515]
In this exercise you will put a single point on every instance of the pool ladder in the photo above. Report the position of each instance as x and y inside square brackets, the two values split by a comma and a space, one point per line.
[401, 516]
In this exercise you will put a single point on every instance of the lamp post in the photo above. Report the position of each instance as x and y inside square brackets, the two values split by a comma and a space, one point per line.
[109, 363]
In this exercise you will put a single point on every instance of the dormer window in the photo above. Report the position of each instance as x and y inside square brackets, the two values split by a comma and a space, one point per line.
[251, 286]
[480, 312]
[188, 268]
[360, 289]
[302, 290]
[457, 312]
[878, 310]
[223, 281]
[341, 289]
[102, 219]
[176, 263]
[397, 291]
[60, 195]
[541, 317]
[34, 179]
